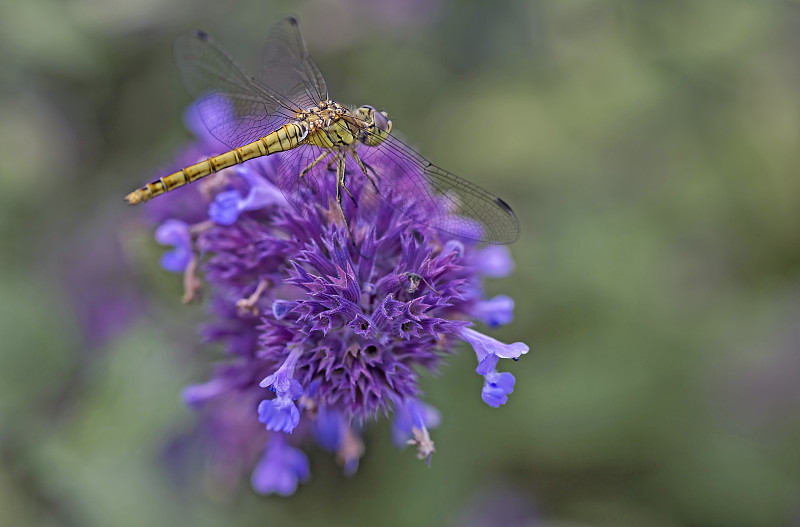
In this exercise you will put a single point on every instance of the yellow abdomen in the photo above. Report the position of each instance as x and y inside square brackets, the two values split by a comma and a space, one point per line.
[284, 138]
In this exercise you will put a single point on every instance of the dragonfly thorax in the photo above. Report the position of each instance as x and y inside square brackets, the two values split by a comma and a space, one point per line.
[331, 125]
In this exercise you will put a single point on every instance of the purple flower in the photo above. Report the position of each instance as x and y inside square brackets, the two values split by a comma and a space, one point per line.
[281, 468]
[498, 385]
[281, 414]
[175, 233]
[411, 414]
[338, 324]
[206, 142]
[498, 311]
[281, 307]
[495, 261]
[195, 395]
[227, 206]
[489, 351]
[486, 347]
[332, 433]
[329, 429]
[412, 420]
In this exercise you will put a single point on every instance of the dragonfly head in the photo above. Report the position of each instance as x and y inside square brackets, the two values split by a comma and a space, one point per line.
[378, 125]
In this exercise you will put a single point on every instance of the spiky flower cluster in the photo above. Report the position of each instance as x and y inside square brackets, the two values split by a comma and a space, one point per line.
[323, 329]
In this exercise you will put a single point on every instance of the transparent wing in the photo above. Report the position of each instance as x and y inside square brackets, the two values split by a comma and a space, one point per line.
[287, 67]
[316, 184]
[235, 107]
[441, 199]
[403, 179]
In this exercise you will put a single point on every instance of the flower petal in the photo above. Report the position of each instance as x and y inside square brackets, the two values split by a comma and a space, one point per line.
[261, 193]
[280, 469]
[495, 261]
[413, 413]
[195, 395]
[225, 209]
[493, 395]
[329, 429]
[279, 414]
[176, 233]
[485, 345]
[498, 311]
[488, 364]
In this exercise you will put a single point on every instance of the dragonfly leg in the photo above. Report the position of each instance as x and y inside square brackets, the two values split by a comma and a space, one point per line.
[313, 164]
[344, 184]
[341, 178]
[364, 170]
[340, 184]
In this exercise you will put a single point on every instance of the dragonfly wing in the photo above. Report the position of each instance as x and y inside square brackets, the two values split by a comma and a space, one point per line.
[234, 106]
[287, 67]
[436, 197]
[316, 184]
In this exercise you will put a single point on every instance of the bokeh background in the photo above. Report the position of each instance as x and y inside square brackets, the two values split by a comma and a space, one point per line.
[651, 151]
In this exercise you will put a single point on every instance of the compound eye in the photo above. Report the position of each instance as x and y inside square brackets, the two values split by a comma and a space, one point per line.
[382, 121]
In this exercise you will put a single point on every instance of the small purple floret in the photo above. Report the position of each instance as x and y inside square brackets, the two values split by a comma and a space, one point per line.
[175, 233]
[329, 429]
[281, 307]
[495, 261]
[281, 468]
[224, 210]
[411, 414]
[261, 194]
[279, 414]
[495, 312]
[193, 120]
[489, 352]
[497, 387]
[228, 205]
[485, 345]
[195, 395]
[455, 248]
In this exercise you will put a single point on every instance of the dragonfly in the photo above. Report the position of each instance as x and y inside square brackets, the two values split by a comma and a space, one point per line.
[289, 111]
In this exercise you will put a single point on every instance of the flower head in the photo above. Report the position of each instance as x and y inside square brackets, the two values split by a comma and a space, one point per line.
[330, 324]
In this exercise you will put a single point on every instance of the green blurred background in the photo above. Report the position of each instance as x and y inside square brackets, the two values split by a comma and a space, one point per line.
[651, 151]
